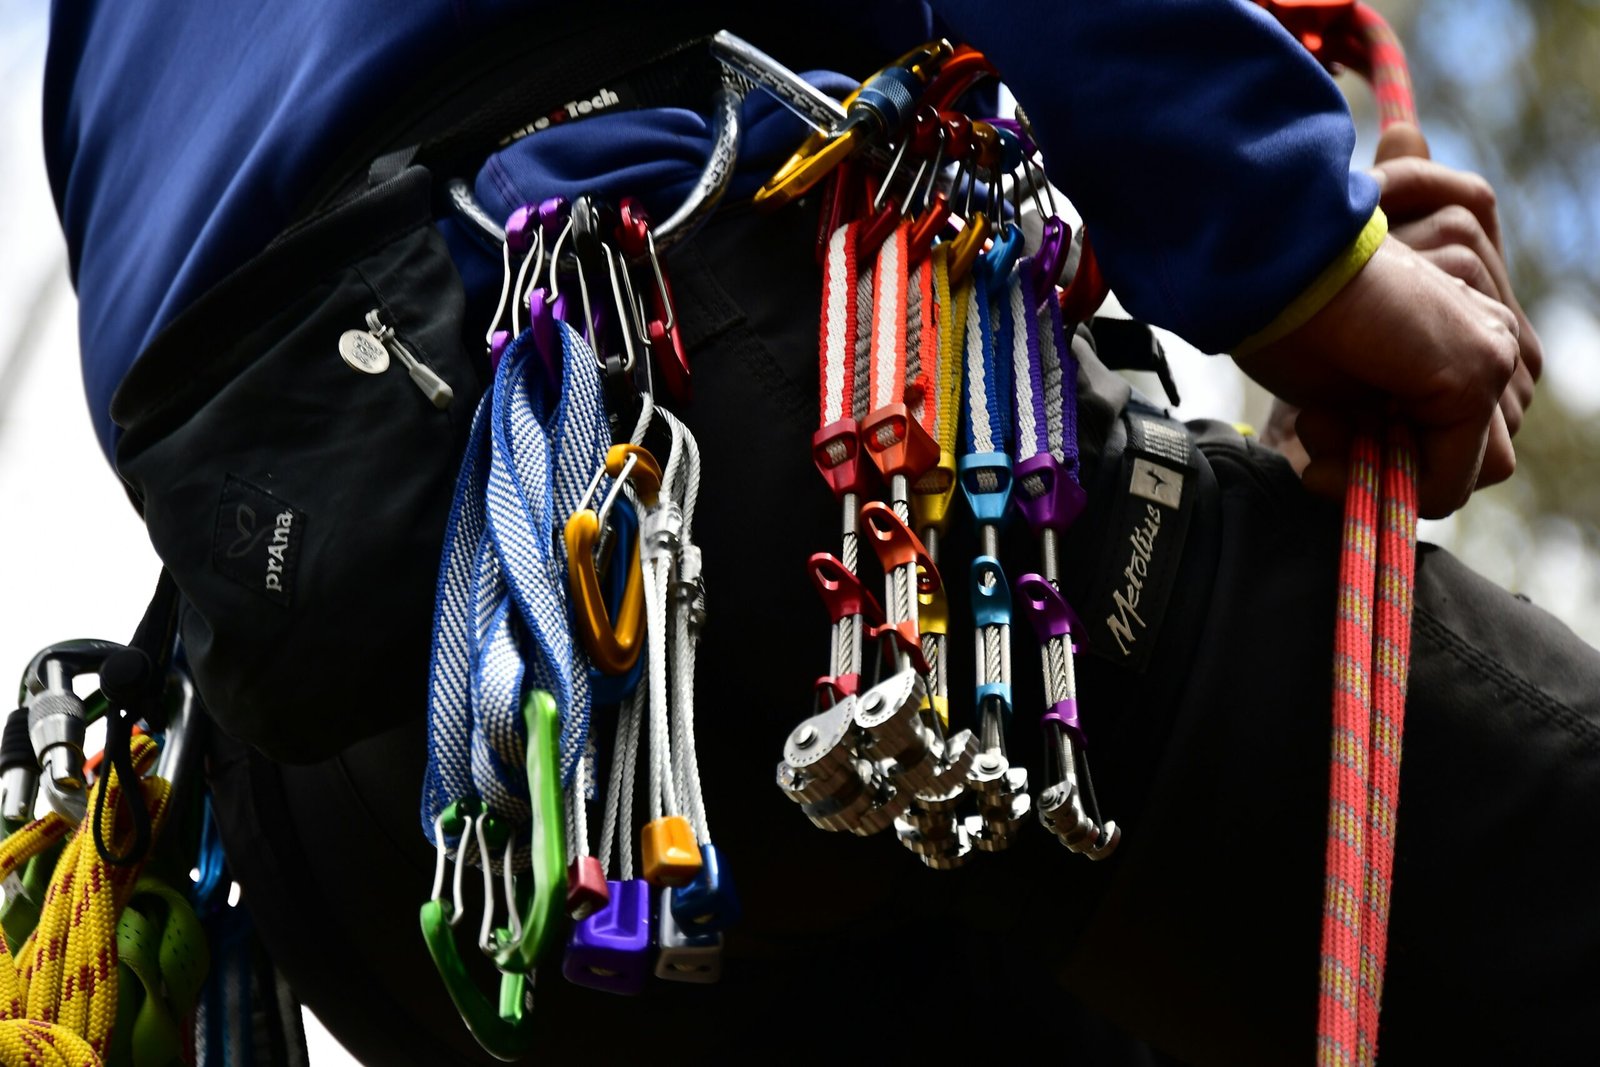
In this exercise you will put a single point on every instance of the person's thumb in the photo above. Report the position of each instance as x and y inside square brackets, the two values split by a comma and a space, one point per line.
[1400, 140]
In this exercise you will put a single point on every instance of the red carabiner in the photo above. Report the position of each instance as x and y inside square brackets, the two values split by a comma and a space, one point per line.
[666, 342]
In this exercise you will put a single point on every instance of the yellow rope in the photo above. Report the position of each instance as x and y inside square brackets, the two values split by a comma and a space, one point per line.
[58, 995]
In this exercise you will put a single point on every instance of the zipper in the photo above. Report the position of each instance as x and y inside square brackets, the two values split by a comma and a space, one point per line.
[369, 351]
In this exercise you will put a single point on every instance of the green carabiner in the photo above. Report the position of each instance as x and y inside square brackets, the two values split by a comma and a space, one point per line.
[505, 1030]
[542, 917]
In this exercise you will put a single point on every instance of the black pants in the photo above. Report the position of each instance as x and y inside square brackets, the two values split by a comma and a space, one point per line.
[1200, 935]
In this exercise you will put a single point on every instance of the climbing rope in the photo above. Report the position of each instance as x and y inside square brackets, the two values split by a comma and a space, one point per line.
[1371, 662]
[58, 993]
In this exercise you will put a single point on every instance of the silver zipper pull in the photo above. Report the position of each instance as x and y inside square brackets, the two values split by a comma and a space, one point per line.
[435, 388]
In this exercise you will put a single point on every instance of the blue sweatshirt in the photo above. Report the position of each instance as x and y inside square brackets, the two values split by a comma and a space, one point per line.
[1209, 156]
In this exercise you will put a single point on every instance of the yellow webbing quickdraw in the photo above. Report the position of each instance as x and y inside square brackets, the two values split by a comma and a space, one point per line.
[58, 994]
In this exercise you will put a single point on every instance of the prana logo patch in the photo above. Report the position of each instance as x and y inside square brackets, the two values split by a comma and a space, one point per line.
[257, 540]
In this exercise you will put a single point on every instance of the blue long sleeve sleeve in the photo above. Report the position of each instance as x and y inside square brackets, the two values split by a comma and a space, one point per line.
[1208, 153]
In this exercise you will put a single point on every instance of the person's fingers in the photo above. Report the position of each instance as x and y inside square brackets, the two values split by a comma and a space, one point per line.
[1499, 456]
[1518, 396]
[1455, 225]
[1532, 356]
[1462, 263]
[1324, 432]
[1401, 140]
[1441, 350]
[1415, 188]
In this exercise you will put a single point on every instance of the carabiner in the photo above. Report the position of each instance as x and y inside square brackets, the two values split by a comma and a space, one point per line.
[1054, 244]
[607, 689]
[520, 948]
[1313, 22]
[613, 643]
[504, 1030]
[637, 241]
[965, 68]
[966, 246]
[881, 106]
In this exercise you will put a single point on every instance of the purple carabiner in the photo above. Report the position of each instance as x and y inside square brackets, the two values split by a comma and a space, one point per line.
[520, 228]
[542, 317]
[1052, 254]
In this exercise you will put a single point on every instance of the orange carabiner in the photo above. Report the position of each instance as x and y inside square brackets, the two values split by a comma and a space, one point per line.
[613, 644]
[965, 68]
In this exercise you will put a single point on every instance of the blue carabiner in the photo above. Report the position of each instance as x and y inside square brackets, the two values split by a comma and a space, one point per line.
[615, 688]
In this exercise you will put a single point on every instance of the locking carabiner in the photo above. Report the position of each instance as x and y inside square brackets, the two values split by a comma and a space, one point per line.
[882, 104]
[612, 643]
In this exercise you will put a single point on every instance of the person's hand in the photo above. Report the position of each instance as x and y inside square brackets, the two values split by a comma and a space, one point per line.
[1408, 327]
[1449, 216]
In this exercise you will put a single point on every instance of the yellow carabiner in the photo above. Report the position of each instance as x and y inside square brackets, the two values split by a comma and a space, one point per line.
[966, 245]
[613, 644]
[821, 152]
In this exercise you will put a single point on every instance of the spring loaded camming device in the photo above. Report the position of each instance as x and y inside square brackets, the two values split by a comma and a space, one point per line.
[985, 477]
[904, 736]
[1049, 495]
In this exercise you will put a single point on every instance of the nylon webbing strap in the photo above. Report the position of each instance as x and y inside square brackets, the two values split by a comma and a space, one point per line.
[838, 333]
[1045, 373]
[952, 305]
[922, 348]
[985, 399]
[501, 623]
[1033, 414]
[889, 321]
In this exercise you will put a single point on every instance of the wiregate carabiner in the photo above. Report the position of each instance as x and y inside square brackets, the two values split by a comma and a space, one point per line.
[613, 643]
[57, 720]
[637, 241]
[504, 1030]
[964, 68]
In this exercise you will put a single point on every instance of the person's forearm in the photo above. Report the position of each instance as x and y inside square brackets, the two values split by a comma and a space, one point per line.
[1208, 153]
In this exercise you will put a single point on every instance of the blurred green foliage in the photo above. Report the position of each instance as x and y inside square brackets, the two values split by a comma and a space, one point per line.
[1511, 89]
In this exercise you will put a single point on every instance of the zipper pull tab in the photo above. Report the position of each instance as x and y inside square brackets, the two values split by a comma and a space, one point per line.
[435, 388]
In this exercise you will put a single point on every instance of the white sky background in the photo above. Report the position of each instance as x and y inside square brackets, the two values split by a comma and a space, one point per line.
[76, 560]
